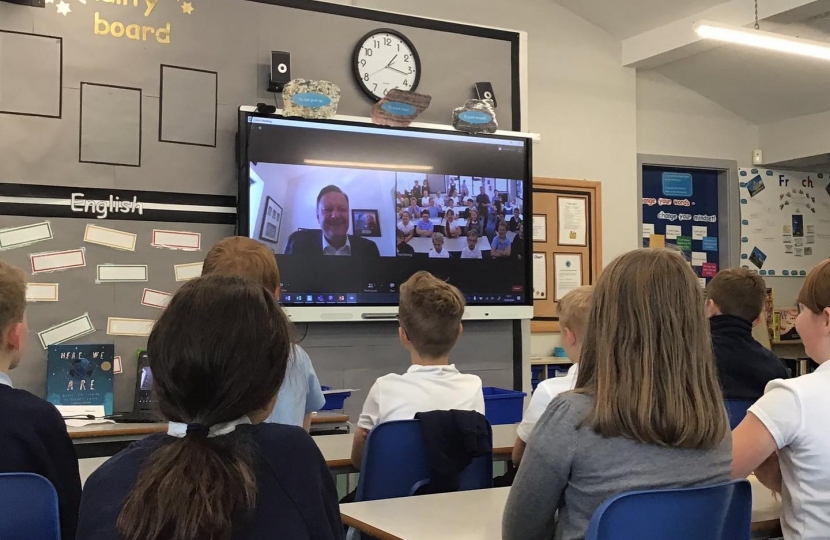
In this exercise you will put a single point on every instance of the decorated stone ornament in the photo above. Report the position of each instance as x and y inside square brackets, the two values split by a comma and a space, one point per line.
[310, 99]
[399, 108]
[476, 116]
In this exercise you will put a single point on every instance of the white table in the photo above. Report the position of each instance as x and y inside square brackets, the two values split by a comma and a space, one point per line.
[473, 515]
[424, 245]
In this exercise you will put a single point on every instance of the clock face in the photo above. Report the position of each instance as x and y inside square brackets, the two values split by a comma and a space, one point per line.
[386, 59]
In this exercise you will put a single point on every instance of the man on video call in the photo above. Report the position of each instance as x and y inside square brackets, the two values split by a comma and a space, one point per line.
[333, 238]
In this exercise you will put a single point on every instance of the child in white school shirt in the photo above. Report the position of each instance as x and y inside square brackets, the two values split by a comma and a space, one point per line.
[430, 323]
[785, 437]
[574, 309]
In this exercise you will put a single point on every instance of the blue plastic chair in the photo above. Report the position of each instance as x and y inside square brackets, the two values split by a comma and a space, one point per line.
[720, 512]
[28, 507]
[736, 409]
[395, 463]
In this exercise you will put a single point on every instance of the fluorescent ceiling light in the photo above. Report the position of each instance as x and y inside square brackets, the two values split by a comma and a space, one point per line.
[358, 165]
[762, 40]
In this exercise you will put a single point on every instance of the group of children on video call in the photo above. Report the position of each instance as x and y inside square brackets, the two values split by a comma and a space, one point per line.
[641, 408]
[459, 214]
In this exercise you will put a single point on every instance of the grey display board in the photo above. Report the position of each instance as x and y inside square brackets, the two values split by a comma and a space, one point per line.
[162, 83]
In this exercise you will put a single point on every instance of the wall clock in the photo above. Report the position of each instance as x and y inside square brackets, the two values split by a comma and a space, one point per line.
[385, 59]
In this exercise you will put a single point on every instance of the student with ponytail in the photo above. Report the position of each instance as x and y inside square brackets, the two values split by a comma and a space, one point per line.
[218, 355]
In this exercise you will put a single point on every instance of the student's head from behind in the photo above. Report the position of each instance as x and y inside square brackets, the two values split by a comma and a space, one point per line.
[739, 292]
[574, 309]
[333, 213]
[813, 321]
[218, 353]
[430, 315]
[472, 240]
[438, 242]
[14, 332]
[647, 355]
[240, 256]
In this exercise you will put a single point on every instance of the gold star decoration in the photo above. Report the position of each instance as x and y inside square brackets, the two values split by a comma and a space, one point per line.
[63, 8]
[187, 7]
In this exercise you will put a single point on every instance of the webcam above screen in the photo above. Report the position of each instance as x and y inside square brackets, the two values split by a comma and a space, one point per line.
[351, 210]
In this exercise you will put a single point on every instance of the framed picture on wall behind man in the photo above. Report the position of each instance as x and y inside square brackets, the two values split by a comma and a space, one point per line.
[271, 220]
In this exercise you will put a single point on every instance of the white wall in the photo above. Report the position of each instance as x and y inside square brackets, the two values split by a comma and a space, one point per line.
[675, 121]
[796, 138]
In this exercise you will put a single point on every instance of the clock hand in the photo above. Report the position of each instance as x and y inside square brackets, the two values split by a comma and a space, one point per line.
[399, 71]
[389, 65]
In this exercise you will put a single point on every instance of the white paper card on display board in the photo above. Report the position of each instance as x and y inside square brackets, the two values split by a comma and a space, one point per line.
[567, 270]
[540, 228]
[540, 276]
[699, 233]
[698, 258]
[156, 299]
[113, 238]
[42, 292]
[573, 222]
[122, 273]
[54, 261]
[183, 240]
[673, 231]
[186, 272]
[66, 331]
[648, 230]
[117, 366]
[117, 326]
[14, 237]
[702, 281]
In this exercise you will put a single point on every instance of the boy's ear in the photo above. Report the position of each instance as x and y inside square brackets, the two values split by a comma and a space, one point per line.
[13, 336]
[570, 337]
[460, 329]
[404, 339]
[712, 308]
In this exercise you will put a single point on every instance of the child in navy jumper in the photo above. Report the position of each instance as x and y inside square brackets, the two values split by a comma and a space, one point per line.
[33, 437]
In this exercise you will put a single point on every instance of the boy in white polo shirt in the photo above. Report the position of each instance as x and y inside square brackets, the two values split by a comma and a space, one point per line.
[574, 309]
[785, 437]
[430, 323]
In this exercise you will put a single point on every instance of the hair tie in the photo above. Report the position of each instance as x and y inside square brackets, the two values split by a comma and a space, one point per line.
[197, 429]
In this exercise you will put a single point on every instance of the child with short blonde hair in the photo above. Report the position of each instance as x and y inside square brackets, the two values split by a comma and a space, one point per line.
[430, 315]
[33, 437]
[574, 309]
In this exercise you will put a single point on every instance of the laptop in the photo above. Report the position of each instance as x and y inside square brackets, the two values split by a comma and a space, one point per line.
[145, 406]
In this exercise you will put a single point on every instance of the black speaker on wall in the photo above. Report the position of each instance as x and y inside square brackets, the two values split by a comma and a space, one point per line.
[280, 70]
[484, 90]
[33, 3]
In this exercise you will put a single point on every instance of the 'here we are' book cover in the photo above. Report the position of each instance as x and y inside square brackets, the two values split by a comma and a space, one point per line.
[80, 375]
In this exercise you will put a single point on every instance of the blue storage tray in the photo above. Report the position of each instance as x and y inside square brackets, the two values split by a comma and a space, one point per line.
[503, 406]
[335, 401]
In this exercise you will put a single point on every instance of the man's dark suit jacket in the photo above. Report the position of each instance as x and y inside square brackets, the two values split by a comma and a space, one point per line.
[310, 242]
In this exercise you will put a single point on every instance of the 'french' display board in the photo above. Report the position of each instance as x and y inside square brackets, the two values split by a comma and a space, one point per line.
[785, 221]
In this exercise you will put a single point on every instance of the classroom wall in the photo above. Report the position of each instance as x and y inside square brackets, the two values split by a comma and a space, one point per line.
[673, 120]
[795, 138]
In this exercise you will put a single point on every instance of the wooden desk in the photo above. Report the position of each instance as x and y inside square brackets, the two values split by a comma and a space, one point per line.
[104, 440]
[469, 515]
[337, 449]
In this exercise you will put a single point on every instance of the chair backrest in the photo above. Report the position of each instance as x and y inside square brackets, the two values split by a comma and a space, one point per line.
[395, 463]
[28, 507]
[736, 409]
[720, 512]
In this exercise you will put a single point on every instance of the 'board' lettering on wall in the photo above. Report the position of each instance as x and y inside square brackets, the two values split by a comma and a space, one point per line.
[108, 21]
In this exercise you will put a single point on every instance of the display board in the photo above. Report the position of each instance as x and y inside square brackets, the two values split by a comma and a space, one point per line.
[567, 244]
[785, 221]
[680, 208]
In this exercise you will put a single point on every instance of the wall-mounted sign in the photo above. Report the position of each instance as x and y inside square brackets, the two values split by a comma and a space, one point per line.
[109, 204]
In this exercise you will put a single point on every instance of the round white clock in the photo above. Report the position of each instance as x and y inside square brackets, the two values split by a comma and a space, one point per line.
[385, 59]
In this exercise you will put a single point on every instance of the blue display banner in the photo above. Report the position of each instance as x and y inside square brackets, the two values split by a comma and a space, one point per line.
[677, 184]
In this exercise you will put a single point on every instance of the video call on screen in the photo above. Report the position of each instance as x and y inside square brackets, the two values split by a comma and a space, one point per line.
[393, 202]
